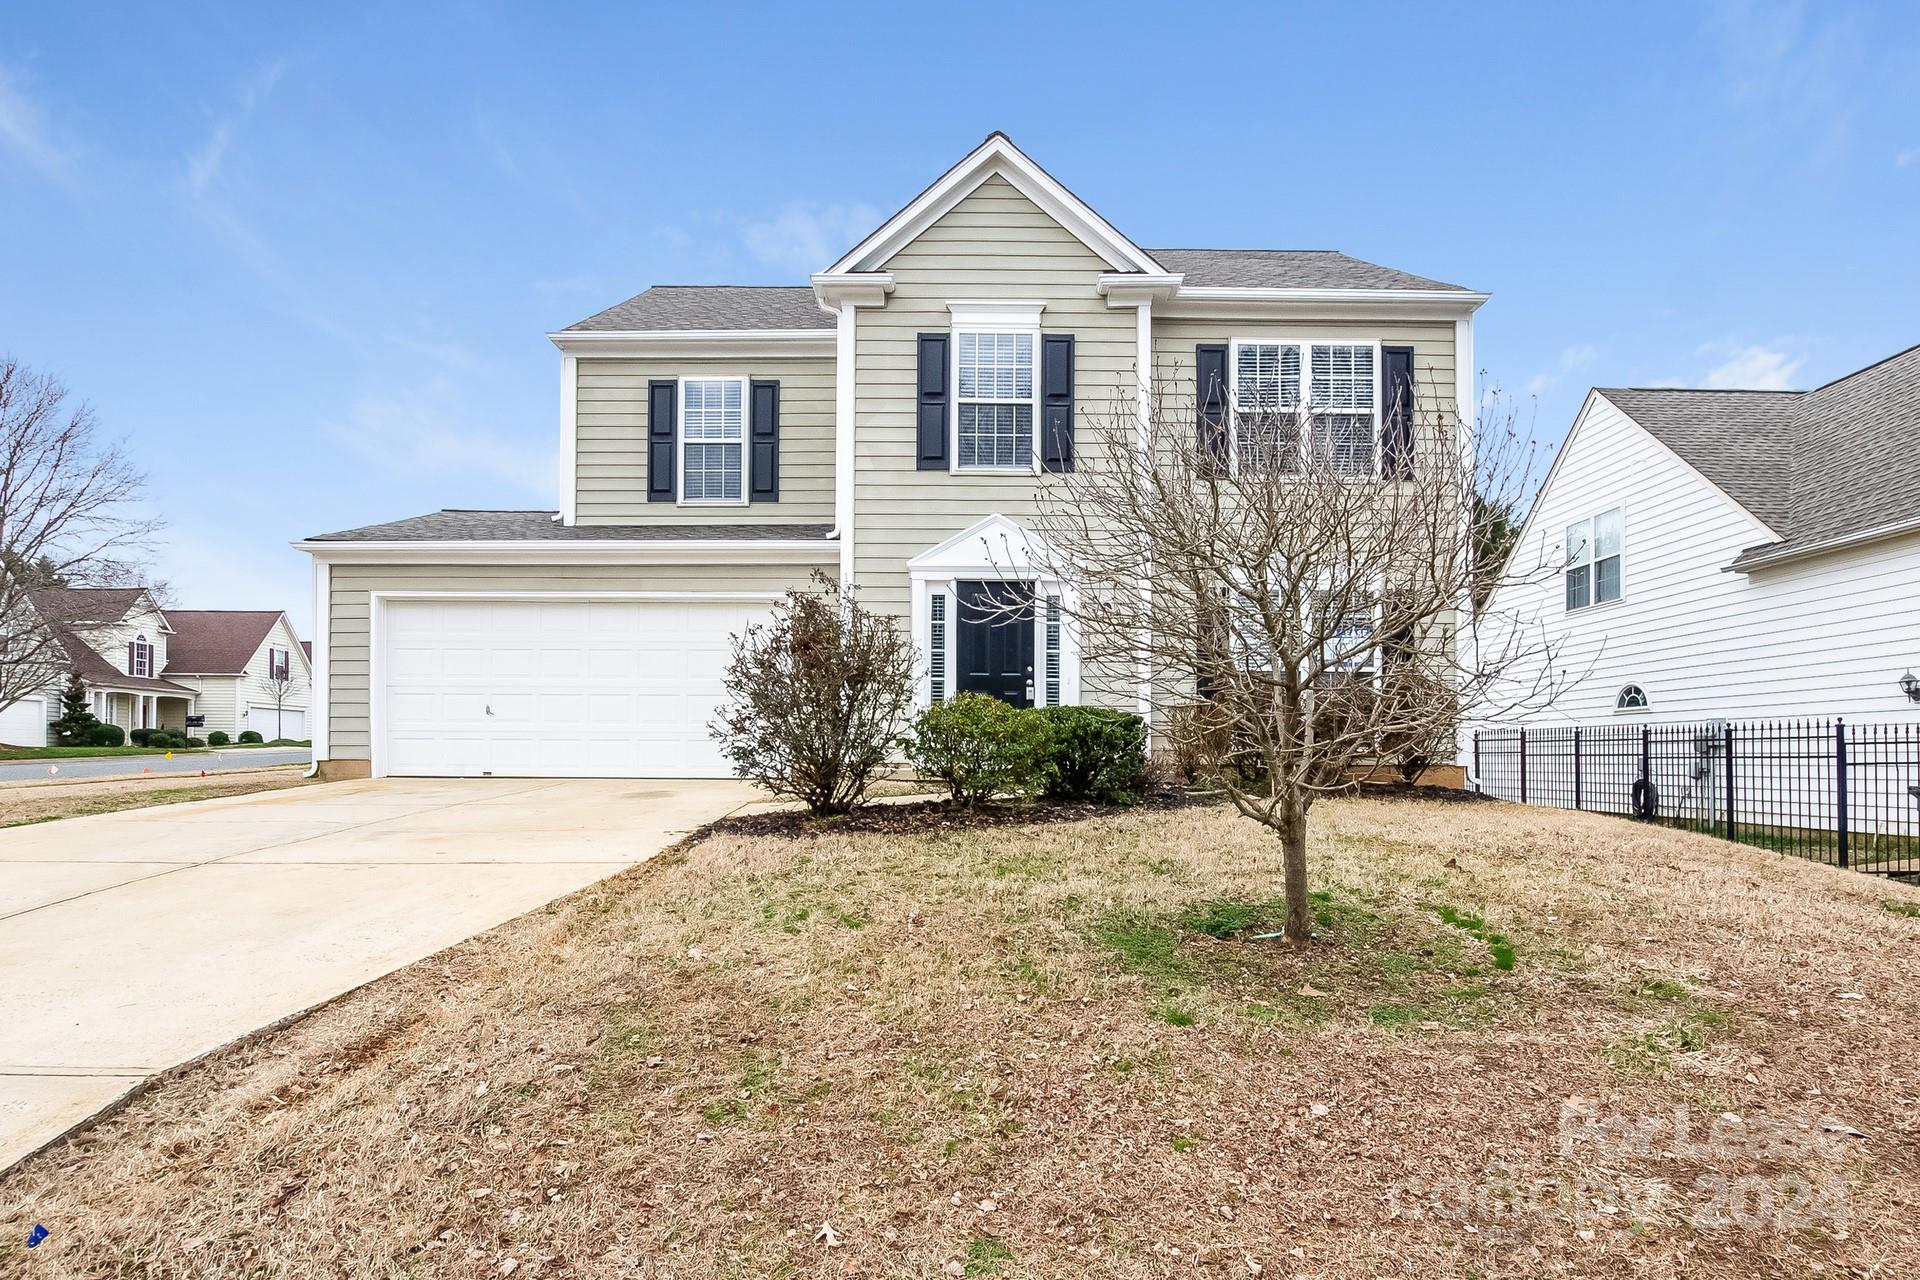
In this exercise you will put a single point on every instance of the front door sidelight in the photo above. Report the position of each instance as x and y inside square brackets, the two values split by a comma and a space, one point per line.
[993, 644]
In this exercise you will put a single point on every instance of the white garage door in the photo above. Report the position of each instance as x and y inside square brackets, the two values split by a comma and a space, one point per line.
[24, 724]
[287, 722]
[554, 688]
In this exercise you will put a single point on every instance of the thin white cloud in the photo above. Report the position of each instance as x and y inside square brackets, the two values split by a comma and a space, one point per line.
[26, 134]
[420, 432]
[204, 163]
[1752, 368]
[1908, 159]
[1794, 65]
[1571, 358]
[804, 238]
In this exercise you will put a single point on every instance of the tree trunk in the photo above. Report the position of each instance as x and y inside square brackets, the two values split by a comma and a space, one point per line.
[1293, 861]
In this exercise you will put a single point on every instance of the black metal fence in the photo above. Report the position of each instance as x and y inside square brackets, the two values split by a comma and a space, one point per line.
[1822, 789]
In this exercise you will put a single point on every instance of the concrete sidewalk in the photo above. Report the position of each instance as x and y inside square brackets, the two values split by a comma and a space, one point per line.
[131, 942]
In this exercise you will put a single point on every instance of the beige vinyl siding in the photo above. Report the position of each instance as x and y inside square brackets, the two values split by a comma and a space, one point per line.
[352, 585]
[254, 690]
[610, 451]
[216, 701]
[994, 244]
[1174, 341]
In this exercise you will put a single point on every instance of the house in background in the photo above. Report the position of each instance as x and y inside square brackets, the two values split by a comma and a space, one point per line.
[1729, 554]
[893, 421]
[248, 668]
[145, 667]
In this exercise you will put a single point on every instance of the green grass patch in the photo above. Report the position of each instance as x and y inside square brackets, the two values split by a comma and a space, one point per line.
[1911, 910]
[1184, 1145]
[1499, 946]
[1175, 1015]
[985, 1256]
[1144, 946]
[1396, 1015]
[1664, 989]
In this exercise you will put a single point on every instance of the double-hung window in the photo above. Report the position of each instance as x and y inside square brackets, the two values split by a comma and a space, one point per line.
[279, 664]
[1592, 573]
[994, 401]
[1340, 398]
[140, 657]
[713, 418]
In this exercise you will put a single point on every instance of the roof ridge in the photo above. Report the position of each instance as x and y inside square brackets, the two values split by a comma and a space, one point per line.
[1712, 391]
[1864, 368]
[807, 287]
[1174, 248]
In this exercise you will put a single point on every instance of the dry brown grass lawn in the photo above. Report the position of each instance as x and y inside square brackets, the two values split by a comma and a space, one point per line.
[25, 802]
[1024, 1052]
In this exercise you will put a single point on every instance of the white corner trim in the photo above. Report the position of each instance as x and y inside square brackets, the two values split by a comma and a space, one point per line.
[569, 437]
[984, 316]
[843, 437]
[320, 674]
[694, 343]
[997, 155]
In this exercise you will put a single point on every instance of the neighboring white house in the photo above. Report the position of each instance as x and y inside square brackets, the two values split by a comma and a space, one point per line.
[248, 667]
[145, 667]
[1729, 555]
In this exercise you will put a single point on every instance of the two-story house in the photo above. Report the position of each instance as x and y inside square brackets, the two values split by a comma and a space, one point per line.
[888, 423]
[1733, 555]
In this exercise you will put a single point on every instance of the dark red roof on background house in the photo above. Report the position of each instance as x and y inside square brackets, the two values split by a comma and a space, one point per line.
[216, 642]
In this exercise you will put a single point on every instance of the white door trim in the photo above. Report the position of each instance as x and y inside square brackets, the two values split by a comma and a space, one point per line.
[377, 602]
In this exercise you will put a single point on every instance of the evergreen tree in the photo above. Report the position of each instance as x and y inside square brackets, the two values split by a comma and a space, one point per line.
[76, 720]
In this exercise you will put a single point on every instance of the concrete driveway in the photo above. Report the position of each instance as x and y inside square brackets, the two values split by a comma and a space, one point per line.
[131, 942]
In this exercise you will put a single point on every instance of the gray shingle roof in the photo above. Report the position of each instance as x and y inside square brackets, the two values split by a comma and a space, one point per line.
[216, 642]
[1740, 440]
[712, 306]
[1813, 465]
[1286, 269]
[456, 525]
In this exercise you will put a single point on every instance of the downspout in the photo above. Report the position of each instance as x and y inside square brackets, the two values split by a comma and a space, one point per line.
[321, 700]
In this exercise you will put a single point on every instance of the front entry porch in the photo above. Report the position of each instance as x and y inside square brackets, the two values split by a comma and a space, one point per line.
[131, 709]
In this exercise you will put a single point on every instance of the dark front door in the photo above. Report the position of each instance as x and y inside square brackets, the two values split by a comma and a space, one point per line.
[993, 650]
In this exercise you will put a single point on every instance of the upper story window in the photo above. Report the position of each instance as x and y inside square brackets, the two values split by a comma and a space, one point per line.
[1631, 698]
[1341, 400]
[140, 657]
[279, 664]
[994, 397]
[713, 417]
[1592, 572]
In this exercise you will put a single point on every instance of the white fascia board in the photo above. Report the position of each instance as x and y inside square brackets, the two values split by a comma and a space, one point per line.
[834, 290]
[997, 155]
[1138, 288]
[695, 343]
[1837, 542]
[610, 551]
[1407, 304]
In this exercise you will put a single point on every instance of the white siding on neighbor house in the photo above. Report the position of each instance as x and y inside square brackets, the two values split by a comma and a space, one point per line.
[353, 585]
[254, 689]
[1817, 638]
[216, 701]
[610, 449]
[111, 642]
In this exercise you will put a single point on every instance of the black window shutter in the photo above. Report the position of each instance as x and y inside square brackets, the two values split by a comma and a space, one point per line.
[933, 402]
[766, 440]
[1056, 402]
[1396, 400]
[663, 413]
[1210, 386]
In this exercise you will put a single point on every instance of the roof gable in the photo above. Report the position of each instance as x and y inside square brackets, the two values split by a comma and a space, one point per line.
[996, 156]
[1741, 441]
[217, 642]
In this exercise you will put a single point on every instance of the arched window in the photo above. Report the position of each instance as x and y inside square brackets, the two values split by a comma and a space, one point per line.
[140, 657]
[1632, 698]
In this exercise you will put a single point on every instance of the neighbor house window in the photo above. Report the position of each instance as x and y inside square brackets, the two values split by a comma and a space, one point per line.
[994, 401]
[140, 657]
[279, 664]
[1346, 641]
[1632, 698]
[1340, 395]
[713, 439]
[1593, 560]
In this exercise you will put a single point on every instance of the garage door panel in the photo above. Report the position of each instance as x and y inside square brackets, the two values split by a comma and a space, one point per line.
[596, 688]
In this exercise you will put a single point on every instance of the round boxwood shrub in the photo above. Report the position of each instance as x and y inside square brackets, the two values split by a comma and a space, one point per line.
[218, 738]
[141, 737]
[1095, 754]
[193, 742]
[981, 748]
[106, 735]
[250, 735]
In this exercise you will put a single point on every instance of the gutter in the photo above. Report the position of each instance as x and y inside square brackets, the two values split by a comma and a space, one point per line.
[1834, 542]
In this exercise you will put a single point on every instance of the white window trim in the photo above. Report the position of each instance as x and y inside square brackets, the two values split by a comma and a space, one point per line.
[1306, 345]
[994, 550]
[981, 317]
[680, 443]
[1641, 710]
[1593, 578]
[142, 648]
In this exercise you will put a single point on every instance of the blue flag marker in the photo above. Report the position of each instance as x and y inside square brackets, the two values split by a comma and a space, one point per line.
[35, 1236]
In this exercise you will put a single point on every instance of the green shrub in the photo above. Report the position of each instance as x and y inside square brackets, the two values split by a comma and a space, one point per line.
[981, 748]
[196, 742]
[250, 735]
[140, 737]
[218, 738]
[106, 735]
[1095, 755]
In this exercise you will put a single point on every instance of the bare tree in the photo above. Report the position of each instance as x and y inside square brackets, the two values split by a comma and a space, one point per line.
[280, 687]
[1292, 592]
[68, 518]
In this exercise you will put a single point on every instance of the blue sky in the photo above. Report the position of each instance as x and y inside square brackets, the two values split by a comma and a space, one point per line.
[305, 264]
